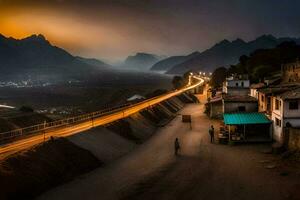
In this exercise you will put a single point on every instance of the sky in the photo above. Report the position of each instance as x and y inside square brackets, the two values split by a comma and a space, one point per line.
[113, 29]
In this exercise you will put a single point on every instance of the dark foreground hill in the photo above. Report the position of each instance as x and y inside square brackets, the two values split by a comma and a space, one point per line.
[35, 56]
[226, 53]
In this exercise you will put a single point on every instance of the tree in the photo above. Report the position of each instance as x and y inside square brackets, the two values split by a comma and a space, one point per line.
[218, 77]
[178, 82]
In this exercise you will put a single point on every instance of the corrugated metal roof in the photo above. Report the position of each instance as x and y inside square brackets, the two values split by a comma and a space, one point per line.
[245, 118]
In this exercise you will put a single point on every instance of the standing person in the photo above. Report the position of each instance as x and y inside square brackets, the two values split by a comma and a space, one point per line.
[177, 146]
[212, 134]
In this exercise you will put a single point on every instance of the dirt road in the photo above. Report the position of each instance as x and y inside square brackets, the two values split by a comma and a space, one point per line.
[202, 171]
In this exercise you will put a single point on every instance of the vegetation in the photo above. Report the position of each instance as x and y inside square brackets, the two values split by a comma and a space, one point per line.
[218, 77]
[260, 64]
[263, 62]
[179, 82]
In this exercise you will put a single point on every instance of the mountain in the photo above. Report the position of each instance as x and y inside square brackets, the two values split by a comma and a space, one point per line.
[226, 53]
[93, 62]
[141, 61]
[168, 63]
[34, 56]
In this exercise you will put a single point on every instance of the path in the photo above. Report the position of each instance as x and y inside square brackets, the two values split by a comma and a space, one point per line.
[202, 171]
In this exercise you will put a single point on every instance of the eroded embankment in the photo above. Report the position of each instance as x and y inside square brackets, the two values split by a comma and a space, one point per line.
[29, 173]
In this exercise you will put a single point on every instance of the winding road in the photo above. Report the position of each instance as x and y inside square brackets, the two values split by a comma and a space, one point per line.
[71, 129]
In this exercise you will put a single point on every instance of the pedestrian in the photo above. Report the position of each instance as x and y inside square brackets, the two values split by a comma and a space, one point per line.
[212, 134]
[177, 146]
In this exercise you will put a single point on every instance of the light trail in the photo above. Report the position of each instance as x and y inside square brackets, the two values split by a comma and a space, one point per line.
[65, 131]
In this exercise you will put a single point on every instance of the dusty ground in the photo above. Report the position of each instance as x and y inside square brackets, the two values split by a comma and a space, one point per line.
[202, 171]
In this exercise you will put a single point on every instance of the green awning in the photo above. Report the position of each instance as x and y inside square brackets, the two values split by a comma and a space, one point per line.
[245, 118]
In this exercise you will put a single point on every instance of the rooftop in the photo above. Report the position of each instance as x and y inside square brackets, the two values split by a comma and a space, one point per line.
[278, 89]
[257, 85]
[291, 94]
[245, 118]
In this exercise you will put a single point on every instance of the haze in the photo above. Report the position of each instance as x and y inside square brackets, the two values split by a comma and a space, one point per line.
[113, 29]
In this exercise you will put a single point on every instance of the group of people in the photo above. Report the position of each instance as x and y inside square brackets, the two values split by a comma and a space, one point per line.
[211, 132]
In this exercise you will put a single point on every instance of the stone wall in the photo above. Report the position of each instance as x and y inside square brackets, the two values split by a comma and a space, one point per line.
[293, 138]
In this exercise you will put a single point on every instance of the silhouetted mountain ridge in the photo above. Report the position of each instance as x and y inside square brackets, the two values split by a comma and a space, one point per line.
[141, 61]
[225, 53]
[35, 56]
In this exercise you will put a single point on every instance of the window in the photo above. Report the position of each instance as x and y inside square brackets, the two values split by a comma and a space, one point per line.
[242, 84]
[277, 104]
[242, 108]
[236, 84]
[278, 122]
[293, 105]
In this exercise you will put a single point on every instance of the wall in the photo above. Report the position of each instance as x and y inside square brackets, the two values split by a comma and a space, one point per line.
[254, 93]
[290, 113]
[216, 110]
[238, 91]
[230, 107]
[293, 139]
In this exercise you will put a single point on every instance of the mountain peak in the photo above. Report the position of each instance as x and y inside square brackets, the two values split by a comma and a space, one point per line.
[222, 43]
[266, 37]
[36, 38]
[238, 40]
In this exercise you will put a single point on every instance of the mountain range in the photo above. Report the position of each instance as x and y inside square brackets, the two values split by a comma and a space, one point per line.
[224, 53]
[141, 61]
[35, 56]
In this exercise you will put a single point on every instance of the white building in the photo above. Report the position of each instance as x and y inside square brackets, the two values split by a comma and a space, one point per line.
[237, 86]
[285, 112]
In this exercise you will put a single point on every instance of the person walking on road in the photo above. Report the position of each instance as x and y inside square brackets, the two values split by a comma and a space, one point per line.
[212, 134]
[177, 146]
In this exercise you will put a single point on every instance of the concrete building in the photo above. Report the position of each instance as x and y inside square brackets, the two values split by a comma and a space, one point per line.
[216, 107]
[232, 104]
[291, 72]
[285, 112]
[237, 85]
[254, 88]
[265, 103]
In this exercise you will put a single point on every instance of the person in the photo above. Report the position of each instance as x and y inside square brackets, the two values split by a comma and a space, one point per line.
[177, 146]
[212, 134]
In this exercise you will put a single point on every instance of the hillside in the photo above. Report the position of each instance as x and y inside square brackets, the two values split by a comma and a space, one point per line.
[93, 62]
[226, 53]
[168, 63]
[141, 61]
[35, 56]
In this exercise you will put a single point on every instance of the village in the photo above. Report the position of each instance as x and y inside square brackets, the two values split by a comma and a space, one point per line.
[267, 111]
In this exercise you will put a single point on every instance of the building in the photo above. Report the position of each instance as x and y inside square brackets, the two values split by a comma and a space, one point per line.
[214, 107]
[291, 72]
[265, 103]
[237, 85]
[238, 103]
[217, 106]
[285, 112]
[254, 88]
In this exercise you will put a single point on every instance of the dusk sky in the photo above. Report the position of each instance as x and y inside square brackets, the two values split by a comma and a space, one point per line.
[113, 29]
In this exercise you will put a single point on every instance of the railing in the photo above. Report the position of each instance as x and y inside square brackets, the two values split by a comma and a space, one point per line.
[46, 126]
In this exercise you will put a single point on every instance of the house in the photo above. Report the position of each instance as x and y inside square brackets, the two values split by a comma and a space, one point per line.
[265, 94]
[214, 107]
[237, 85]
[254, 88]
[291, 72]
[285, 112]
[239, 103]
[217, 106]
